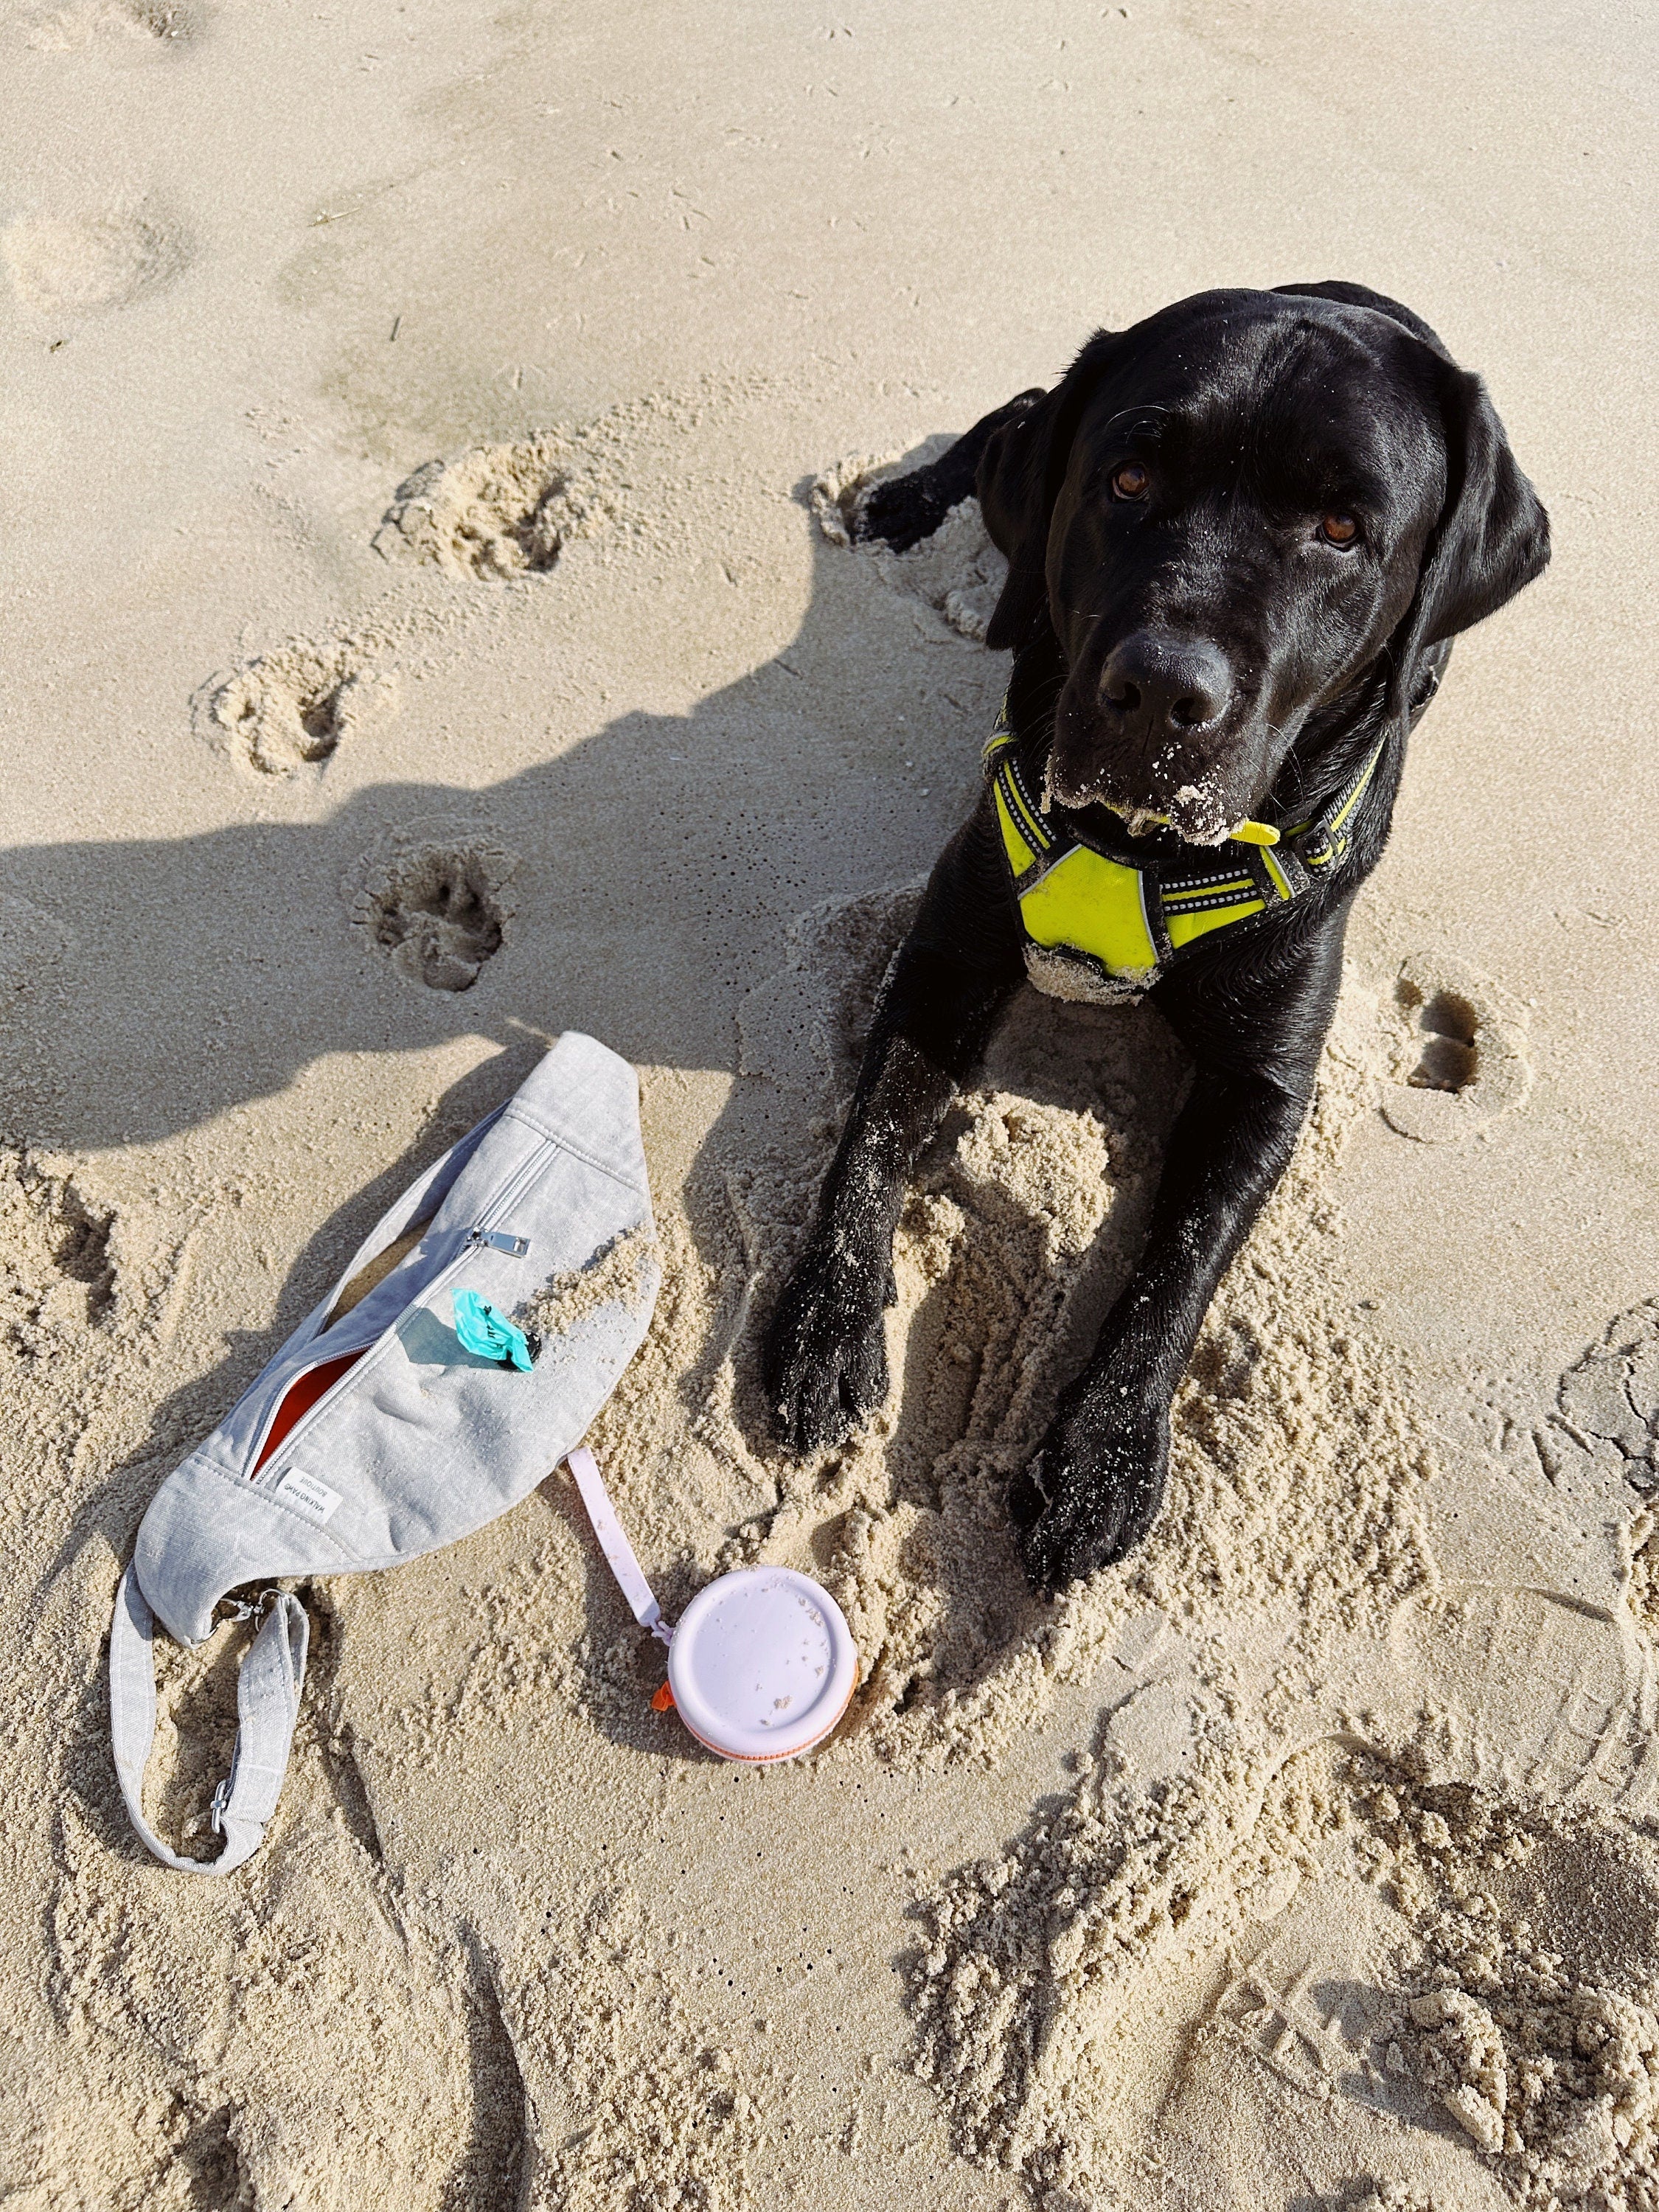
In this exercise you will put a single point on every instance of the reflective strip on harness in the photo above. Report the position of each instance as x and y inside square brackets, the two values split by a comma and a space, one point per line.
[1188, 913]
[1021, 858]
[1023, 830]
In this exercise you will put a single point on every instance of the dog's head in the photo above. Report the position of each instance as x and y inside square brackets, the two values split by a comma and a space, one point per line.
[1229, 513]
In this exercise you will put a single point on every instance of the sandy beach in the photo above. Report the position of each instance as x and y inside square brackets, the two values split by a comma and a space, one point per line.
[425, 438]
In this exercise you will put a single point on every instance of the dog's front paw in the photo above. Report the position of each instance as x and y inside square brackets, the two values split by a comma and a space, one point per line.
[899, 511]
[1090, 1494]
[825, 1358]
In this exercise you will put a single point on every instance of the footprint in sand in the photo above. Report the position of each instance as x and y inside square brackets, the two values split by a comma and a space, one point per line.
[1454, 1955]
[109, 256]
[1610, 1397]
[956, 572]
[1553, 1696]
[1607, 1405]
[494, 514]
[57, 1271]
[1352, 1949]
[298, 704]
[135, 24]
[1601, 1436]
[1457, 1049]
[437, 901]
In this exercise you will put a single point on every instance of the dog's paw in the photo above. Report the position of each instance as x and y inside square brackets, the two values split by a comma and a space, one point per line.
[825, 1358]
[901, 511]
[1090, 1495]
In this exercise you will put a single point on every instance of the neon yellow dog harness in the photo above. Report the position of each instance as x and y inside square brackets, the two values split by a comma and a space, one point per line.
[1101, 927]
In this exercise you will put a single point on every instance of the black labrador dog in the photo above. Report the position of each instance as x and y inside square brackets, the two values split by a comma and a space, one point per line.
[1240, 538]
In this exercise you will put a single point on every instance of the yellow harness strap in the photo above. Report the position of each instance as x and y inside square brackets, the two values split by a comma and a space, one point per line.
[1097, 926]
[1083, 900]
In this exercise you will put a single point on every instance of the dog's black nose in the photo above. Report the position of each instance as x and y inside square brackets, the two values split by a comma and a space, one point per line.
[1155, 682]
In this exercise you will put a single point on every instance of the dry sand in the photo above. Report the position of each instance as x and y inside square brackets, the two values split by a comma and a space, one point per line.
[426, 438]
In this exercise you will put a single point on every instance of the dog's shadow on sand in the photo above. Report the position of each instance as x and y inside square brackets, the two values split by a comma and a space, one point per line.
[182, 978]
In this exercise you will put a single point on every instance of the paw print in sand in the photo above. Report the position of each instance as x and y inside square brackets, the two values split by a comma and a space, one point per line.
[297, 705]
[1458, 1052]
[494, 514]
[438, 904]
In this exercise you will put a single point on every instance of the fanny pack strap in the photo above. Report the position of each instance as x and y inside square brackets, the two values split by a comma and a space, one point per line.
[618, 1551]
[268, 1691]
[267, 1707]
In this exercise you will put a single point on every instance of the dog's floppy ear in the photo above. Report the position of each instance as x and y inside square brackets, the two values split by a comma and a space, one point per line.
[1492, 538]
[1020, 474]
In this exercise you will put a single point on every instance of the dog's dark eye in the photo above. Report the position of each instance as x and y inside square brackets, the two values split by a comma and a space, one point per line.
[1338, 529]
[1131, 480]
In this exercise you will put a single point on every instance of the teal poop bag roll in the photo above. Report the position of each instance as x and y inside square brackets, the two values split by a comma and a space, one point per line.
[485, 1330]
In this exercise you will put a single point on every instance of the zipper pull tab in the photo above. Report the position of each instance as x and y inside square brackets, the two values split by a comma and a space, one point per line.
[498, 1239]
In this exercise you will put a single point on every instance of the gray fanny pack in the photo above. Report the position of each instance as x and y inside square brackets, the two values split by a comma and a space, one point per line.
[376, 1434]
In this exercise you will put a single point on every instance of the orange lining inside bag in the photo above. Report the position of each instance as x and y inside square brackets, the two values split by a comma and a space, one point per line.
[301, 1395]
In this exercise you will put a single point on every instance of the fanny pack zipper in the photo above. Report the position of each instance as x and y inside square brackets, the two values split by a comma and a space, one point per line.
[482, 1234]
[498, 1239]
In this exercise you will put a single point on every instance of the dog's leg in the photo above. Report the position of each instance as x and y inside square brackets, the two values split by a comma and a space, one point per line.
[905, 509]
[1097, 1479]
[825, 1355]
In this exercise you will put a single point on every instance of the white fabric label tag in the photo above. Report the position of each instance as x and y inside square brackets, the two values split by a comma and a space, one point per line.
[306, 1494]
